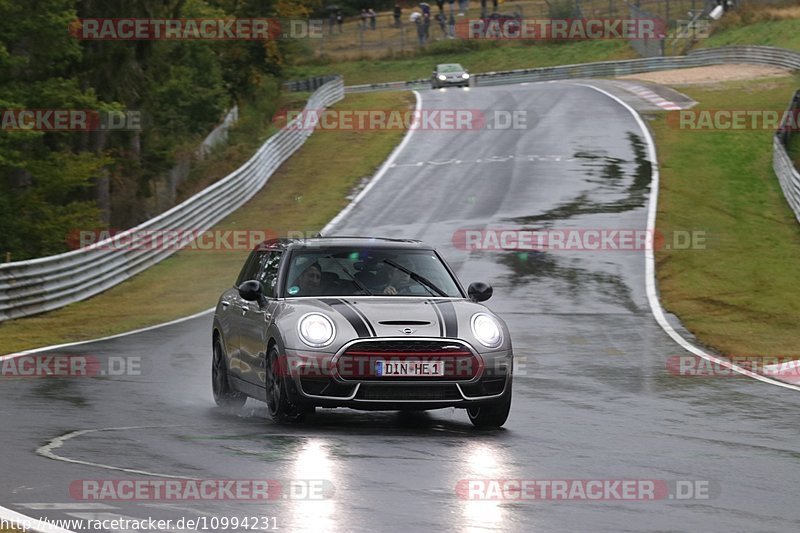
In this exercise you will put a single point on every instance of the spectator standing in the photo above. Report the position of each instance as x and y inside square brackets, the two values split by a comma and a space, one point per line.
[442, 20]
[373, 21]
[417, 18]
[426, 9]
[398, 14]
[339, 20]
[364, 17]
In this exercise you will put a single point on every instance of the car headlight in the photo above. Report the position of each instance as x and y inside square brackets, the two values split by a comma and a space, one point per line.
[316, 330]
[442, 77]
[465, 76]
[487, 330]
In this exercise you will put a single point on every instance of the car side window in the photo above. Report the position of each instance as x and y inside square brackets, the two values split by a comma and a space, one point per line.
[268, 272]
[250, 268]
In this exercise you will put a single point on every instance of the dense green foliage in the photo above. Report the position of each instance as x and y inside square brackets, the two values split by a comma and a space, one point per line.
[52, 183]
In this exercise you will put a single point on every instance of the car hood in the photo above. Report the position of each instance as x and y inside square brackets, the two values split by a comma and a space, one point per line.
[403, 317]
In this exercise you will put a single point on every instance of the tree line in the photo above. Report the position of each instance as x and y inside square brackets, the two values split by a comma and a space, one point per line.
[53, 182]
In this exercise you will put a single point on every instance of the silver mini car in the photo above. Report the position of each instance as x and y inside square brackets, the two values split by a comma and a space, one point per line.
[365, 323]
[449, 75]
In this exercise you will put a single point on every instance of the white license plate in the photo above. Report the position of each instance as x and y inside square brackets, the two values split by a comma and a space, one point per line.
[409, 368]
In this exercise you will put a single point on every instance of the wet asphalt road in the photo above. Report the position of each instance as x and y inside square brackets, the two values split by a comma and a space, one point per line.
[592, 396]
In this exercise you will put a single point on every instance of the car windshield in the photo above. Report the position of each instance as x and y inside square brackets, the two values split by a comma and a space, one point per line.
[360, 272]
[450, 68]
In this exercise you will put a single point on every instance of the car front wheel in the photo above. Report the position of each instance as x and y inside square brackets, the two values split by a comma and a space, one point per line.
[224, 395]
[491, 414]
[281, 409]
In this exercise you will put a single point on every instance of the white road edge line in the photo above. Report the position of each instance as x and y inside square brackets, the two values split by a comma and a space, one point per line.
[381, 171]
[54, 444]
[110, 337]
[650, 271]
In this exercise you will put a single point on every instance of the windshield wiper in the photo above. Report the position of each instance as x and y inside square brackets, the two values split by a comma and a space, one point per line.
[422, 280]
[360, 285]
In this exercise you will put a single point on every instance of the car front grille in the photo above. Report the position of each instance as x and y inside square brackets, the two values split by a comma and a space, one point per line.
[359, 360]
[408, 392]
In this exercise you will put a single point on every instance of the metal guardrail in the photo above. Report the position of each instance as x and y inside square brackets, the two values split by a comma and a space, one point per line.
[389, 86]
[308, 84]
[787, 173]
[762, 55]
[47, 283]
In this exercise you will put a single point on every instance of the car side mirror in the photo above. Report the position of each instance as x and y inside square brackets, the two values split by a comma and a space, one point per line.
[479, 291]
[252, 291]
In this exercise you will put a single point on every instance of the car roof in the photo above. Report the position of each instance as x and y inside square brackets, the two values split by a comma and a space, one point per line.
[341, 242]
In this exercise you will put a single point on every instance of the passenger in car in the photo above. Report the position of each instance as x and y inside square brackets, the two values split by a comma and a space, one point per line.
[310, 281]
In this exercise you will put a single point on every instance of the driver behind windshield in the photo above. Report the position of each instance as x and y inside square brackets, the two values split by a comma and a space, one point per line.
[309, 282]
[400, 282]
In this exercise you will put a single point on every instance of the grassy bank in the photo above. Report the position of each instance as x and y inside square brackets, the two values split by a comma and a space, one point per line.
[298, 197]
[771, 27]
[740, 294]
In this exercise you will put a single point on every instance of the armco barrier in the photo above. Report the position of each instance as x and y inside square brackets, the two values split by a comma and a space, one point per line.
[762, 55]
[47, 283]
[784, 168]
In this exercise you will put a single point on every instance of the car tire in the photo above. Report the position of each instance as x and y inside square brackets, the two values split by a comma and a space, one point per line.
[280, 407]
[491, 415]
[225, 396]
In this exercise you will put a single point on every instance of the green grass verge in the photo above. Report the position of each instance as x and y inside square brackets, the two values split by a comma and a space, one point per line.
[780, 33]
[740, 295]
[476, 56]
[303, 195]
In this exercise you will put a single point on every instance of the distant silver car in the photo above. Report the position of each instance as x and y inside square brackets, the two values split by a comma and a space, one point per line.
[449, 75]
[372, 324]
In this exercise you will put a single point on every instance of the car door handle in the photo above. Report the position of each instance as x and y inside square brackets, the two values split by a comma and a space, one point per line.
[225, 304]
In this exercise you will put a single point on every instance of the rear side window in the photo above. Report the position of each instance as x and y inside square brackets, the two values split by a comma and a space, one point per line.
[268, 265]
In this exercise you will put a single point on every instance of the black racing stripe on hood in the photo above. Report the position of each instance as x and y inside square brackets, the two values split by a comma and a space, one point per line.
[439, 318]
[349, 314]
[448, 311]
[360, 313]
